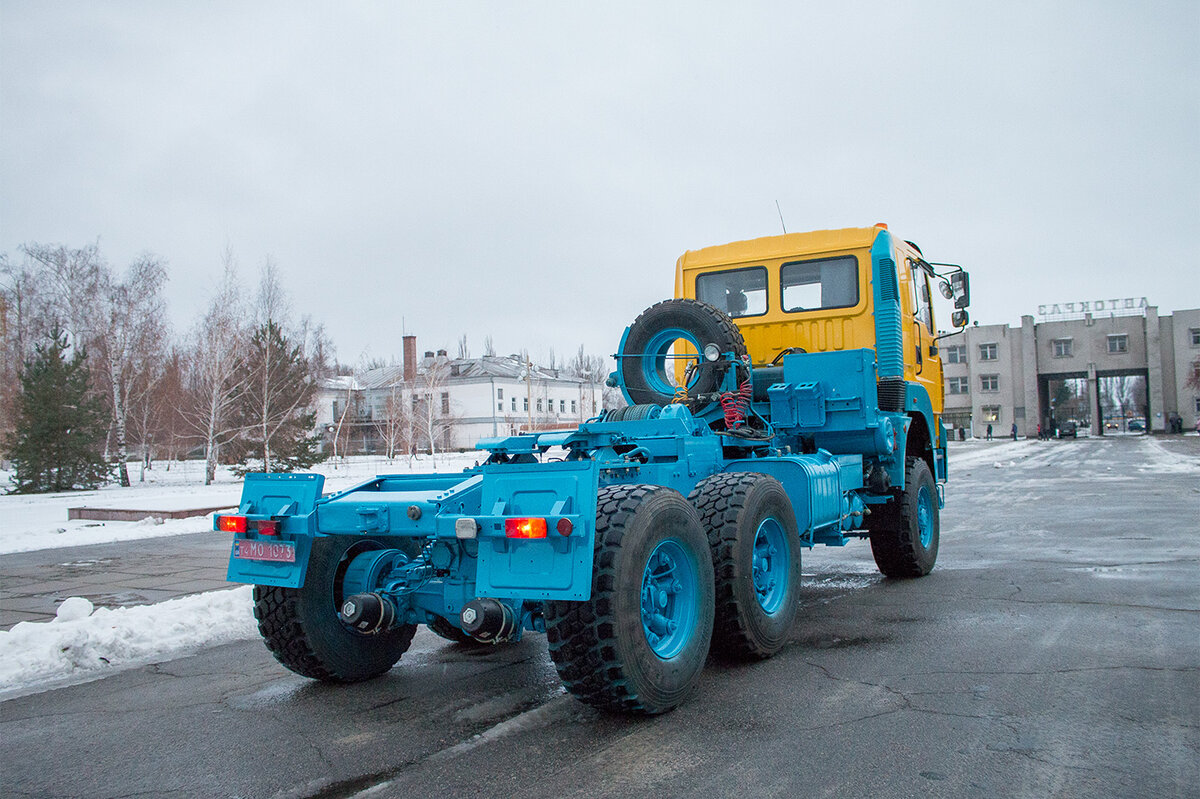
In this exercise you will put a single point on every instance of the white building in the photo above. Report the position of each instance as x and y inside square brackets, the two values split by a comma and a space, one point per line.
[453, 401]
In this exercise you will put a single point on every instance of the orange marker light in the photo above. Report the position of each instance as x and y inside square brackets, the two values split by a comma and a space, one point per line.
[231, 524]
[525, 528]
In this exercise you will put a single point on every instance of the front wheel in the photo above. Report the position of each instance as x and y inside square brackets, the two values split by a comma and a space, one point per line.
[904, 536]
[301, 628]
[639, 644]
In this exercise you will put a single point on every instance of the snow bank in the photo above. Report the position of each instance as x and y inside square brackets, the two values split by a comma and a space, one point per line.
[83, 643]
[39, 521]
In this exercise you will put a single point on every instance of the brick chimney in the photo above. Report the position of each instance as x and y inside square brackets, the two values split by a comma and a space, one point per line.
[410, 359]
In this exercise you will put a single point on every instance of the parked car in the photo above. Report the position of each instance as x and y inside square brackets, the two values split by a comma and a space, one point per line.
[1068, 429]
[1135, 424]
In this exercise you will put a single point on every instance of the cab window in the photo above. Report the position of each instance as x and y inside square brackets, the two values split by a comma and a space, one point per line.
[821, 283]
[737, 292]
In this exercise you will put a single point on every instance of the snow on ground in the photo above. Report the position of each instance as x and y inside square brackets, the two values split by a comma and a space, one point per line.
[39, 521]
[83, 643]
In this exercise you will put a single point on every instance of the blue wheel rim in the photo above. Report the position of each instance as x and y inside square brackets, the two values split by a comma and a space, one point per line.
[771, 565]
[670, 599]
[925, 516]
[655, 361]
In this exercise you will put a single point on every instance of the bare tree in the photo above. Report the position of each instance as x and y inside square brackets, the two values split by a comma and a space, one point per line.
[464, 352]
[214, 377]
[75, 283]
[395, 425]
[489, 348]
[591, 371]
[131, 336]
[432, 411]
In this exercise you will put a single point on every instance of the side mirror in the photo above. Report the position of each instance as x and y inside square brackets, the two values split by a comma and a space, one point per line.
[959, 318]
[960, 285]
[945, 289]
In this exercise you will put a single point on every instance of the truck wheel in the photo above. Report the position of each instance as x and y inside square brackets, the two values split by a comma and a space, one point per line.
[647, 372]
[904, 539]
[301, 628]
[756, 560]
[639, 644]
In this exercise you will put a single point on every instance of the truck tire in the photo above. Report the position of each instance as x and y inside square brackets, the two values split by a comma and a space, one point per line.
[755, 545]
[639, 644]
[904, 535]
[645, 371]
[301, 628]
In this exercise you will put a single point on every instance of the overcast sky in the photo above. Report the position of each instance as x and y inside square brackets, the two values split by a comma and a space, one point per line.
[532, 171]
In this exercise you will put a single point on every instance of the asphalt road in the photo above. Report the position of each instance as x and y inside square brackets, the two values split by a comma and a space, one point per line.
[1055, 651]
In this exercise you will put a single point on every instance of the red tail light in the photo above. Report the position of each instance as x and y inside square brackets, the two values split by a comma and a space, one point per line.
[231, 524]
[525, 528]
[267, 527]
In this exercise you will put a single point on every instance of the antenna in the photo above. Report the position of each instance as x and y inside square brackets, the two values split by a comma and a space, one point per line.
[781, 222]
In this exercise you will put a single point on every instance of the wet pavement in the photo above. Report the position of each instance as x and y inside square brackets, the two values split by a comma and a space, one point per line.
[1054, 651]
[34, 584]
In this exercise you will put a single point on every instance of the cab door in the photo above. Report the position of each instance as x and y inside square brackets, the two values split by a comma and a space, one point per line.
[926, 361]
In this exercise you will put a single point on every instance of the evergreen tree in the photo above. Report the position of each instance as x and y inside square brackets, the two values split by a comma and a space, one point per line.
[273, 407]
[60, 423]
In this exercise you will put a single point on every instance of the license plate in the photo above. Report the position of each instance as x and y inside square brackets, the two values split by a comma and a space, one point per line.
[283, 552]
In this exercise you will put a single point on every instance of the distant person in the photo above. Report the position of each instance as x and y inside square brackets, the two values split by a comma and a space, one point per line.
[989, 433]
[1040, 436]
[1014, 431]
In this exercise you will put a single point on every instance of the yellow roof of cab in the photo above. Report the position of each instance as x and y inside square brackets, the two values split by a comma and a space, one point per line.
[780, 246]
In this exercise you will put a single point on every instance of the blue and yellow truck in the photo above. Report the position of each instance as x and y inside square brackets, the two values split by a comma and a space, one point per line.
[789, 395]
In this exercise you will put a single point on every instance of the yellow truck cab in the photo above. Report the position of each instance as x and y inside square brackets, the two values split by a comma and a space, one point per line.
[831, 290]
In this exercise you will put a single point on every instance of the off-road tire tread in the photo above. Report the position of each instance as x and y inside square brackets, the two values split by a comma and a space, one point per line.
[892, 542]
[282, 626]
[731, 333]
[719, 500]
[581, 634]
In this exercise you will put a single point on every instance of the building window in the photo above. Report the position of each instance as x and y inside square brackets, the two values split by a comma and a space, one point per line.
[514, 403]
[989, 382]
[445, 402]
[525, 403]
[499, 393]
[539, 405]
[562, 406]
[416, 400]
[957, 385]
[1062, 348]
[987, 352]
[1118, 343]
[956, 353]
[499, 406]
[573, 406]
[991, 413]
[1195, 335]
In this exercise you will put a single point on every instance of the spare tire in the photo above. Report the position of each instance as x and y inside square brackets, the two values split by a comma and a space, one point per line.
[646, 371]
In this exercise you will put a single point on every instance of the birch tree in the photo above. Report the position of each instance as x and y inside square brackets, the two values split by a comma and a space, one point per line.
[214, 374]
